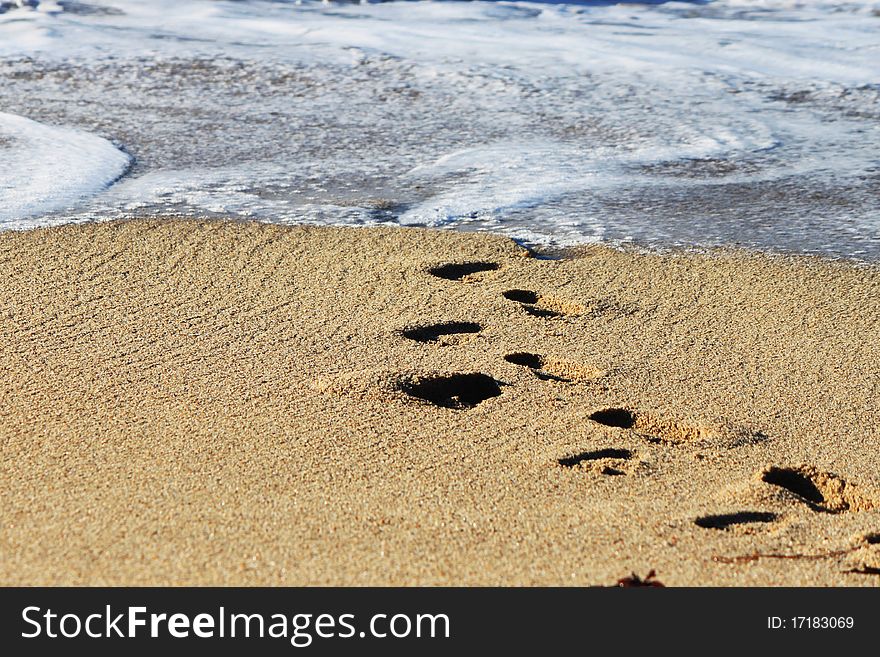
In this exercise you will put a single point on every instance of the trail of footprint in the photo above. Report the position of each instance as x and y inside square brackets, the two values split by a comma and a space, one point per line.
[543, 305]
[553, 369]
[823, 492]
[457, 271]
[442, 332]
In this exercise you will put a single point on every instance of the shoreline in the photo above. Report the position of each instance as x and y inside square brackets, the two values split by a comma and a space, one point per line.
[538, 251]
[231, 402]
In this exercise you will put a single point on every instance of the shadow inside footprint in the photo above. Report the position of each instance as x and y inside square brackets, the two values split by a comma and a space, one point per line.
[433, 332]
[532, 361]
[864, 569]
[794, 482]
[620, 418]
[821, 491]
[535, 311]
[725, 520]
[521, 296]
[599, 454]
[456, 391]
[456, 271]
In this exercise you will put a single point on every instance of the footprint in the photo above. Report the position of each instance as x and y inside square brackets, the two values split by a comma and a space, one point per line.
[728, 520]
[608, 461]
[542, 305]
[822, 491]
[444, 332]
[459, 391]
[668, 431]
[653, 428]
[454, 271]
[553, 369]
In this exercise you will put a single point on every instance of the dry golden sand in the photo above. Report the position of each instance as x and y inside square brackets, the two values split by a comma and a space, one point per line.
[188, 402]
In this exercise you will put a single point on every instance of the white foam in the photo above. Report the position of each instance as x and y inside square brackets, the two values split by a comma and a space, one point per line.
[45, 168]
[807, 40]
[489, 180]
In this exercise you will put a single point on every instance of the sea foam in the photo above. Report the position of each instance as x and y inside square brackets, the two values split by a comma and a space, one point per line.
[45, 168]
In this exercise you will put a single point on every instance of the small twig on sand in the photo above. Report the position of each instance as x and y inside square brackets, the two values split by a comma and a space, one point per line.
[747, 558]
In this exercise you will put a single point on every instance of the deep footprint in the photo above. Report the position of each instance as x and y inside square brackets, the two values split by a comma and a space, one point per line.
[726, 520]
[457, 271]
[456, 391]
[821, 491]
[433, 332]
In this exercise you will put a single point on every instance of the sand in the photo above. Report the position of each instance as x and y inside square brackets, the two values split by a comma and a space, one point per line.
[195, 402]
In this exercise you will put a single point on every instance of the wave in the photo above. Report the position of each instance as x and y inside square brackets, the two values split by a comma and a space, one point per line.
[46, 168]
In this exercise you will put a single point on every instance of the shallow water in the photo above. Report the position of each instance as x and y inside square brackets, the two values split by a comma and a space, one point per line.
[730, 122]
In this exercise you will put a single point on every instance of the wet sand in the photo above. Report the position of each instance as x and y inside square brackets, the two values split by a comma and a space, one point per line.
[188, 402]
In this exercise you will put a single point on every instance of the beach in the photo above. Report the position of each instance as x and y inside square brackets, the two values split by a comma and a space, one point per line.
[190, 402]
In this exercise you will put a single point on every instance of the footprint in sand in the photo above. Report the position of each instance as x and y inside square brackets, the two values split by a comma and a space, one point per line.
[462, 271]
[659, 429]
[539, 305]
[445, 333]
[548, 368]
[652, 428]
[824, 492]
[458, 391]
[607, 461]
